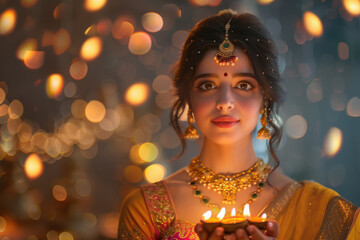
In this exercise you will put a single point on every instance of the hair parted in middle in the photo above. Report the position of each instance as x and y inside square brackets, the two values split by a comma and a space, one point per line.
[246, 33]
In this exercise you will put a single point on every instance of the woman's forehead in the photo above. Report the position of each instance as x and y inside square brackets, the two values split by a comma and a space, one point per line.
[209, 65]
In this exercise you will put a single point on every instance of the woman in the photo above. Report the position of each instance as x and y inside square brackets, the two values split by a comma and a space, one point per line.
[228, 78]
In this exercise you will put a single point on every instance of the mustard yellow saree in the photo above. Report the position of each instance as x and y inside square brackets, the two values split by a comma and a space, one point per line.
[304, 210]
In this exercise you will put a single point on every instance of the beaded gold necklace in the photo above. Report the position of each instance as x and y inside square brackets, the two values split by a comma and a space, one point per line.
[228, 185]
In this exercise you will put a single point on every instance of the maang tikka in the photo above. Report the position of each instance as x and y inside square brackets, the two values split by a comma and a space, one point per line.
[191, 132]
[264, 133]
[226, 54]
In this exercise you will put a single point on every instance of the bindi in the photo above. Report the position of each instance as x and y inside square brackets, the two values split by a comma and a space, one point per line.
[225, 74]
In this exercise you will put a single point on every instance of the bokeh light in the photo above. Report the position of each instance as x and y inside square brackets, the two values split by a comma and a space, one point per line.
[133, 174]
[54, 85]
[265, 2]
[2, 224]
[154, 173]
[78, 69]
[169, 139]
[78, 108]
[140, 43]
[28, 45]
[296, 127]
[313, 24]
[34, 59]
[352, 7]
[162, 84]
[7, 21]
[33, 166]
[353, 107]
[137, 93]
[178, 38]
[333, 141]
[103, 27]
[15, 109]
[122, 29]
[336, 175]
[28, 3]
[343, 51]
[2, 96]
[66, 236]
[152, 22]
[109, 224]
[95, 111]
[91, 48]
[148, 152]
[94, 5]
[61, 41]
[70, 89]
[314, 91]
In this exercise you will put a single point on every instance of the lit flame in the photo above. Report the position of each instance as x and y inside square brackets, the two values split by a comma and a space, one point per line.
[33, 166]
[247, 210]
[7, 21]
[264, 216]
[313, 24]
[352, 7]
[233, 212]
[221, 214]
[333, 142]
[206, 215]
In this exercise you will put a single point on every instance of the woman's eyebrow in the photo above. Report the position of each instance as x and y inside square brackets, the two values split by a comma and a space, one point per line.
[244, 74]
[204, 75]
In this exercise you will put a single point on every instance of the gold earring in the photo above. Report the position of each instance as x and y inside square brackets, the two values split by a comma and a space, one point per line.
[191, 132]
[264, 132]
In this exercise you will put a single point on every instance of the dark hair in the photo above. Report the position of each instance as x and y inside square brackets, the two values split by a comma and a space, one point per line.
[246, 33]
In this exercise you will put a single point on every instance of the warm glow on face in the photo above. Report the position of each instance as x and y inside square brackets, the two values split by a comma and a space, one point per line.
[33, 166]
[91, 48]
[34, 59]
[140, 43]
[94, 5]
[221, 214]
[352, 7]
[313, 24]
[54, 85]
[233, 212]
[206, 215]
[95, 111]
[137, 94]
[152, 22]
[247, 210]
[264, 216]
[28, 45]
[333, 142]
[7, 21]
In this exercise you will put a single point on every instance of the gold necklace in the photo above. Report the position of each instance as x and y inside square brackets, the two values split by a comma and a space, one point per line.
[228, 184]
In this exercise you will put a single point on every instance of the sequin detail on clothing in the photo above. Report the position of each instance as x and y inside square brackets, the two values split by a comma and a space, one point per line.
[337, 220]
[125, 234]
[159, 206]
[181, 230]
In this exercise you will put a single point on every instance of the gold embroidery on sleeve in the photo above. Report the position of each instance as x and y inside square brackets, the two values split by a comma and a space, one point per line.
[337, 220]
[126, 234]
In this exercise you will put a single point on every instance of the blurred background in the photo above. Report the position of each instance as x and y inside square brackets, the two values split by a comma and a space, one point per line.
[85, 91]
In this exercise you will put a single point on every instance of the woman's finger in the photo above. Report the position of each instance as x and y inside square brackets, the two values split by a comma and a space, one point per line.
[241, 234]
[199, 229]
[218, 234]
[272, 229]
[255, 233]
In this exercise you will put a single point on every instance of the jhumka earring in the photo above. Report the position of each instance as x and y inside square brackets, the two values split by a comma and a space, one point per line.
[264, 132]
[191, 132]
[226, 54]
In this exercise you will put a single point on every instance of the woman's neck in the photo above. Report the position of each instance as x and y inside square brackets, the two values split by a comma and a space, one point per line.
[228, 158]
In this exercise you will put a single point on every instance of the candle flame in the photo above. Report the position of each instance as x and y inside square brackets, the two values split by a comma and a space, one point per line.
[247, 210]
[221, 213]
[207, 215]
[233, 212]
[264, 216]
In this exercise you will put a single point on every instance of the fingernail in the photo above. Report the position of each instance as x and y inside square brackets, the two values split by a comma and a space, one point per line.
[218, 232]
[251, 229]
[271, 224]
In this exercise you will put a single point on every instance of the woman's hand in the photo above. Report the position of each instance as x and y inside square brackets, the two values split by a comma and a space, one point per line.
[271, 233]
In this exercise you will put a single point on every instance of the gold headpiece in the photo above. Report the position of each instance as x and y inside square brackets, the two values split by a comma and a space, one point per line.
[226, 54]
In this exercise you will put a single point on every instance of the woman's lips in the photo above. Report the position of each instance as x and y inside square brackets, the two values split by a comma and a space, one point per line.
[225, 122]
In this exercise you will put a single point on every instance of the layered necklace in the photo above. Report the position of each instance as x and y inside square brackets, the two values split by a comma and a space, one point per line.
[227, 184]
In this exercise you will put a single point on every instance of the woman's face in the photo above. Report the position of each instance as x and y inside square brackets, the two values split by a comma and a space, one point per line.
[226, 100]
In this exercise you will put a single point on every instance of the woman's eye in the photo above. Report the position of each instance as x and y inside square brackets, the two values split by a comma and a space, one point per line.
[244, 86]
[206, 86]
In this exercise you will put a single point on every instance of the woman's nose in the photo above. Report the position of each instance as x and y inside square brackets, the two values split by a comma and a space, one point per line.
[225, 101]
